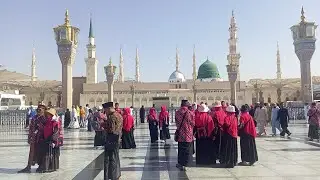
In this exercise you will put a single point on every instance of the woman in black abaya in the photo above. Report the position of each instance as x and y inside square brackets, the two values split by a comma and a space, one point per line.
[229, 145]
[247, 133]
[153, 125]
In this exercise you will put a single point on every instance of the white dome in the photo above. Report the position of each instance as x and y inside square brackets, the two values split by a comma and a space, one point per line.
[177, 76]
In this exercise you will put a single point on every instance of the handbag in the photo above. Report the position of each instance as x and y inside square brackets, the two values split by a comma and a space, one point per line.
[176, 134]
[112, 141]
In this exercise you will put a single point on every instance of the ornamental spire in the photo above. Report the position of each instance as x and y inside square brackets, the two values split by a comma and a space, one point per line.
[278, 63]
[194, 66]
[177, 59]
[121, 75]
[90, 28]
[137, 66]
[33, 65]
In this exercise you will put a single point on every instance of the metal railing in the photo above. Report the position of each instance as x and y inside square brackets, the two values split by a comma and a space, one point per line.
[296, 113]
[17, 118]
[13, 118]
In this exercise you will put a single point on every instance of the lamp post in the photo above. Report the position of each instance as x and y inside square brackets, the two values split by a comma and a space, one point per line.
[304, 39]
[110, 71]
[132, 89]
[232, 70]
[66, 37]
[194, 88]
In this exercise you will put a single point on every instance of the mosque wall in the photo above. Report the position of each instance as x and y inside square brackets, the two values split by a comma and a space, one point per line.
[175, 97]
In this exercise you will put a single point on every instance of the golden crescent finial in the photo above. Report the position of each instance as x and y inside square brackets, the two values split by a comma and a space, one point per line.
[303, 18]
[110, 61]
[66, 19]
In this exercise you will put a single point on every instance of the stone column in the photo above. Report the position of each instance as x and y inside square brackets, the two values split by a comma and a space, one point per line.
[305, 56]
[132, 88]
[66, 37]
[110, 91]
[66, 85]
[110, 72]
[232, 70]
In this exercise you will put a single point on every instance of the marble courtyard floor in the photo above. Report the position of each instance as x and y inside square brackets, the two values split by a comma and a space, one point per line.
[279, 158]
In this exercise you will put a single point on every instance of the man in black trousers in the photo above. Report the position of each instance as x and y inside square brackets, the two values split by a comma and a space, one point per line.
[283, 117]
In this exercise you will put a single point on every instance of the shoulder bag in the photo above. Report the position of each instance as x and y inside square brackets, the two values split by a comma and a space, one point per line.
[176, 134]
[241, 126]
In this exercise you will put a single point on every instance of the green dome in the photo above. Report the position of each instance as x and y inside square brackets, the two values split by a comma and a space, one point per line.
[208, 70]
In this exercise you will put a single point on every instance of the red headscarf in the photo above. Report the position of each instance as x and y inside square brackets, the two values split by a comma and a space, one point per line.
[218, 116]
[128, 121]
[163, 115]
[231, 124]
[204, 120]
[48, 127]
[247, 121]
[152, 114]
[196, 112]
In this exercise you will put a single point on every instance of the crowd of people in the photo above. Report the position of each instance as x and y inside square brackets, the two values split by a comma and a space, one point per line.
[215, 132]
[209, 133]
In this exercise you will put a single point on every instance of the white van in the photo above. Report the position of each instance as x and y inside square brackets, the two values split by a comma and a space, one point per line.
[12, 101]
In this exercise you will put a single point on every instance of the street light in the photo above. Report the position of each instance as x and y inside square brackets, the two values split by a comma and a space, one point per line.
[303, 35]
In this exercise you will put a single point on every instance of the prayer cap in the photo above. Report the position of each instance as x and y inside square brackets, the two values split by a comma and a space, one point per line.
[107, 105]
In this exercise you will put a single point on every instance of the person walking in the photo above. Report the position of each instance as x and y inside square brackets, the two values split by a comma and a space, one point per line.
[261, 116]
[283, 116]
[274, 120]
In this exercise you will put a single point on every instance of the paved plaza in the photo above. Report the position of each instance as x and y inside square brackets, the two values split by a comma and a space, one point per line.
[279, 158]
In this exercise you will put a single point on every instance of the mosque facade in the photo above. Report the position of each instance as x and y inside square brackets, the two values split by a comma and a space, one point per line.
[206, 84]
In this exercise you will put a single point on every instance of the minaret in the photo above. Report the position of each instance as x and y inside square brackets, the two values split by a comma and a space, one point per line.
[194, 66]
[91, 61]
[137, 66]
[233, 56]
[177, 59]
[233, 60]
[121, 68]
[33, 66]
[278, 63]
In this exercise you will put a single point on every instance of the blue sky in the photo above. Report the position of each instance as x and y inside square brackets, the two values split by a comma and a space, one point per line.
[156, 28]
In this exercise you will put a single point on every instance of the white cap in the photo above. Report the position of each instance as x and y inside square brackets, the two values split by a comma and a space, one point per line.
[231, 109]
[203, 108]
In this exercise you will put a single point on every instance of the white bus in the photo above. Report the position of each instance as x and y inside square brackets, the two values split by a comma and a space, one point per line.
[12, 101]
